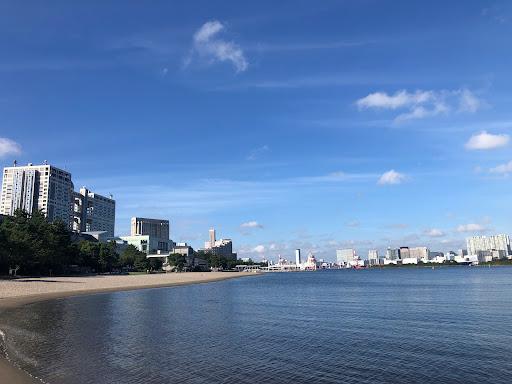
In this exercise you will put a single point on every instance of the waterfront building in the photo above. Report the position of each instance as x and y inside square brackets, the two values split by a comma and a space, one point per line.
[419, 253]
[38, 188]
[310, 264]
[404, 253]
[373, 257]
[346, 256]
[297, 257]
[222, 247]
[392, 254]
[93, 212]
[486, 245]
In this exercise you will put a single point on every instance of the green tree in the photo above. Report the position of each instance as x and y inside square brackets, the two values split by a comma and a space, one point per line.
[177, 260]
[108, 258]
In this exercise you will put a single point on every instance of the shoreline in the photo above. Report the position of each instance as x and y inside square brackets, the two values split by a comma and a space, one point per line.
[53, 288]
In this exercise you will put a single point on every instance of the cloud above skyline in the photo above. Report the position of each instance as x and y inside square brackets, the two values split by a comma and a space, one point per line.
[251, 224]
[209, 46]
[434, 232]
[9, 147]
[471, 227]
[486, 141]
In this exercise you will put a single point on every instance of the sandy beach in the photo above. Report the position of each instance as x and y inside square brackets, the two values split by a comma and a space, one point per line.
[23, 291]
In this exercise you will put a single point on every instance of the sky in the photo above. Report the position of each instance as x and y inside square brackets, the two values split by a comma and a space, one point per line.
[293, 124]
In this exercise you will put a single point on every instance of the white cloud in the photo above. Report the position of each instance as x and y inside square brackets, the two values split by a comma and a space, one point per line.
[251, 224]
[502, 168]
[9, 147]
[259, 249]
[421, 104]
[434, 232]
[484, 140]
[391, 177]
[208, 45]
[468, 102]
[472, 227]
[398, 100]
[256, 152]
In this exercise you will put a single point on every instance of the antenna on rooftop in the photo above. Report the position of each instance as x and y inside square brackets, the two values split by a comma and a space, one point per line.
[14, 163]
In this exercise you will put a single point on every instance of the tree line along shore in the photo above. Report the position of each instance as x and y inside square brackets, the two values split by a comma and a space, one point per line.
[30, 245]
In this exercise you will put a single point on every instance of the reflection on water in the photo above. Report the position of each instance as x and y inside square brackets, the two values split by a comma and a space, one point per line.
[450, 325]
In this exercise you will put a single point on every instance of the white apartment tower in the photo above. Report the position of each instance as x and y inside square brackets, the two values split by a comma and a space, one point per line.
[93, 212]
[38, 187]
[346, 256]
[477, 244]
[298, 261]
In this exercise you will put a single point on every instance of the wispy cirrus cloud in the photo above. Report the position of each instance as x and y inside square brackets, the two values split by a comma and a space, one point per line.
[209, 46]
[391, 177]
[503, 169]
[421, 104]
[9, 147]
[471, 227]
[434, 232]
[308, 46]
[257, 152]
[251, 224]
[486, 141]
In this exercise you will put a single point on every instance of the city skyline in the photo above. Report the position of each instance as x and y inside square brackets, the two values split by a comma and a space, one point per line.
[392, 130]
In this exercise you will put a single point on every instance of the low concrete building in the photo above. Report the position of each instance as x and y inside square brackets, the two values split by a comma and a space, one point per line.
[148, 244]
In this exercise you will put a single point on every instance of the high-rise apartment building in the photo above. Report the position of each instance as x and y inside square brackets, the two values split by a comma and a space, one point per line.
[298, 260]
[93, 212]
[478, 244]
[404, 253]
[392, 253]
[373, 257]
[345, 256]
[38, 187]
[419, 253]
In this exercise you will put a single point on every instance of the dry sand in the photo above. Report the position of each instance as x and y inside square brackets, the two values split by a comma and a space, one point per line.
[18, 292]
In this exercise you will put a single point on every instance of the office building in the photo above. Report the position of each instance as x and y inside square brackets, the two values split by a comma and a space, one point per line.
[346, 256]
[485, 245]
[149, 244]
[38, 188]
[298, 261]
[392, 254]
[373, 257]
[157, 228]
[183, 249]
[93, 212]
[419, 253]
[150, 236]
[222, 247]
[404, 253]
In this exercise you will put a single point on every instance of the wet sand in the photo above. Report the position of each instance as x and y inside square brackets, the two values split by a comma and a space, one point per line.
[14, 293]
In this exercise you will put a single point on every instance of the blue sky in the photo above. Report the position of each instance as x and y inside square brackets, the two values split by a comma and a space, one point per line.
[307, 124]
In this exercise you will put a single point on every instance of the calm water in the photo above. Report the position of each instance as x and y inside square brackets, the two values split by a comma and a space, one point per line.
[450, 325]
